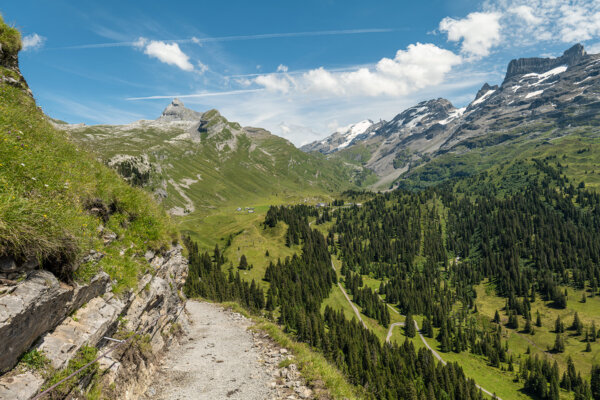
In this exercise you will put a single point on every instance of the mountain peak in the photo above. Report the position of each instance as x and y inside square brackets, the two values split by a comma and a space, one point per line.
[484, 90]
[177, 111]
[540, 65]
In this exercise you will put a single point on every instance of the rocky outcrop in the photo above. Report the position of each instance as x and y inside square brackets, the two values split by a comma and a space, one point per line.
[134, 169]
[540, 65]
[176, 111]
[485, 89]
[37, 305]
[9, 61]
[61, 319]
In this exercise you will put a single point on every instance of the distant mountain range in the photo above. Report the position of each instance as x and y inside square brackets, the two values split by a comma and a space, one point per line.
[536, 96]
[198, 161]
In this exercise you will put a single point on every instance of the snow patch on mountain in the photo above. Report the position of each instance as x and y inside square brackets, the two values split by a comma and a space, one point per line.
[546, 75]
[483, 98]
[350, 132]
[453, 115]
[533, 94]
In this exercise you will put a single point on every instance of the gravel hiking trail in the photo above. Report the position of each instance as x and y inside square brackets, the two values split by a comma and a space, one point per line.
[220, 360]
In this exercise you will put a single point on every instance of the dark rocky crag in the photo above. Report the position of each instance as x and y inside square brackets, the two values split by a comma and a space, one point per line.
[537, 65]
[9, 60]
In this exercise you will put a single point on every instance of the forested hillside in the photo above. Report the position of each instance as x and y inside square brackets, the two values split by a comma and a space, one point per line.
[501, 269]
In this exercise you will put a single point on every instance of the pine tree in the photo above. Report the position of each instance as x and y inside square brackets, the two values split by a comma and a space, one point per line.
[538, 320]
[559, 345]
[595, 382]
[528, 327]
[497, 317]
[577, 325]
[559, 327]
[409, 326]
[243, 262]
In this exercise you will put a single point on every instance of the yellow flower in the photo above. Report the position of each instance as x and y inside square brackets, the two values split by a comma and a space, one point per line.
[45, 216]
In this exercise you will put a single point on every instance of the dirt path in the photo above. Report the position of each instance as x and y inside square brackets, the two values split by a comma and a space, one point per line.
[435, 353]
[350, 301]
[390, 331]
[223, 360]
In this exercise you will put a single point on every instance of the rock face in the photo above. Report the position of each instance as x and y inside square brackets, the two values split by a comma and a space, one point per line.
[539, 65]
[553, 92]
[176, 111]
[37, 305]
[135, 170]
[60, 319]
[9, 59]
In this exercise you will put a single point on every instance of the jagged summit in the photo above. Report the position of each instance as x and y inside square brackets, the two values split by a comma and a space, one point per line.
[485, 89]
[177, 111]
[540, 65]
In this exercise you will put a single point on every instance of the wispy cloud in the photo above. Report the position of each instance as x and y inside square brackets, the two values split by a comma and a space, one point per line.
[33, 42]
[196, 95]
[197, 40]
[530, 22]
[74, 111]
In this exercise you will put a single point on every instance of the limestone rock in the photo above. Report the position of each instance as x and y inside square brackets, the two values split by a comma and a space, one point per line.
[86, 327]
[20, 386]
[36, 306]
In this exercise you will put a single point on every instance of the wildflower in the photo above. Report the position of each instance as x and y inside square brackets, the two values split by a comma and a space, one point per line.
[22, 165]
[33, 178]
[45, 216]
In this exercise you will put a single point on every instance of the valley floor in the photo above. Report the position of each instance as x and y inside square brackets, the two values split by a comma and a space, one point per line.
[222, 359]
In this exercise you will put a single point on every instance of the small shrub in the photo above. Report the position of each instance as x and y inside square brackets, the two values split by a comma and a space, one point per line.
[35, 359]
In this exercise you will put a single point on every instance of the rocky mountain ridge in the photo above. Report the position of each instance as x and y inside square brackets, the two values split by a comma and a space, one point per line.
[559, 91]
[195, 161]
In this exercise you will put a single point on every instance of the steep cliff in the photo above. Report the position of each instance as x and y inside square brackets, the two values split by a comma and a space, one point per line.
[83, 256]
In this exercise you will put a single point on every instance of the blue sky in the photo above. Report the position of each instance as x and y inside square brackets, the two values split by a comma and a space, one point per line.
[298, 68]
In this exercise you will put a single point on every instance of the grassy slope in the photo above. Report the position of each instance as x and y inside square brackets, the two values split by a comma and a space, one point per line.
[540, 142]
[46, 184]
[248, 170]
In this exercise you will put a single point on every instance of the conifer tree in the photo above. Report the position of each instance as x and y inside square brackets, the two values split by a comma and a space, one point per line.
[409, 326]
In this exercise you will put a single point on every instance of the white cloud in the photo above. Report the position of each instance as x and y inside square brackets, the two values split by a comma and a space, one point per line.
[529, 22]
[169, 53]
[282, 68]
[32, 42]
[274, 83]
[419, 66]
[527, 14]
[478, 31]
[577, 23]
